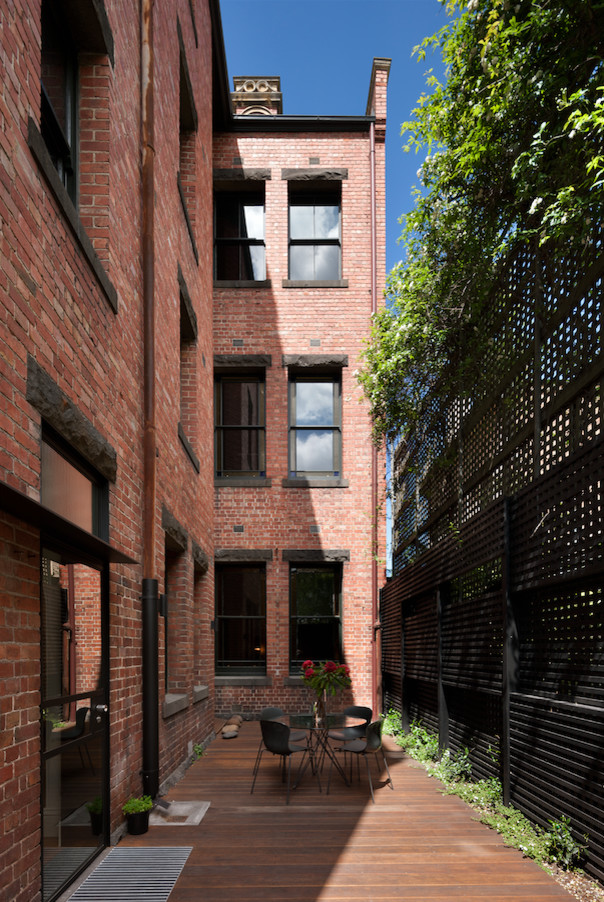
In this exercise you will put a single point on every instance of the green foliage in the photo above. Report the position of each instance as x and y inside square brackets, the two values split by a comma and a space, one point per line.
[392, 723]
[420, 743]
[137, 805]
[96, 806]
[556, 846]
[199, 751]
[561, 847]
[453, 766]
[516, 830]
[513, 139]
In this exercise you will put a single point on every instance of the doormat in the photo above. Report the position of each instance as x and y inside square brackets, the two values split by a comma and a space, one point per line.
[178, 814]
[134, 875]
[60, 864]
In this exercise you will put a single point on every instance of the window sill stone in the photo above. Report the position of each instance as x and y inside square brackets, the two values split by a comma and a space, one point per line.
[234, 283]
[249, 482]
[243, 680]
[175, 702]
[327, 482]
[329, 283]
[200, 693]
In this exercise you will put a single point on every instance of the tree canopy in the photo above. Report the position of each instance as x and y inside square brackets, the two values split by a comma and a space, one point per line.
[514, 143]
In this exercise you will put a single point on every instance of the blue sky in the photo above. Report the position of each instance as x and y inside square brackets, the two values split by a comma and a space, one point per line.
[323, 51]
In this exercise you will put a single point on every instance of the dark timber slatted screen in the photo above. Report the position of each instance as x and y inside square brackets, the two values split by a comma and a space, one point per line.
[529, 442]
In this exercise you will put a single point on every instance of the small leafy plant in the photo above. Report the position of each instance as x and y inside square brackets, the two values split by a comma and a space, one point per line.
[198, 751]
[561, 846]
[96, 806]
[137, 805]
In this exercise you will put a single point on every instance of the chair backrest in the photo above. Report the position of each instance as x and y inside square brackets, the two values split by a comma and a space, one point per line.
[275, 736]
[271, 713]
[373, 736]
[76, 731]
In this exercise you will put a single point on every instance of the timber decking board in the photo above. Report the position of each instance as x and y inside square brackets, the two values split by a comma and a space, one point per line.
[414, 845]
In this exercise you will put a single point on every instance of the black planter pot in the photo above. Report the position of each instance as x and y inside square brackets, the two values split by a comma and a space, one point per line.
[138, 823]
[96, 822]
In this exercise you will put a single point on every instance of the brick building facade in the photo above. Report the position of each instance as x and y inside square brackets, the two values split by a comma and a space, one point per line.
[116, 121]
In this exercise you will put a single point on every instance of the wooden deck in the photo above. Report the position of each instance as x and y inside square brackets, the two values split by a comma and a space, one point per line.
[414, 844]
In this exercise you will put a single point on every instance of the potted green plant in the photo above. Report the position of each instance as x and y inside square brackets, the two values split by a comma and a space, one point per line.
[95, 810]
[137, 811]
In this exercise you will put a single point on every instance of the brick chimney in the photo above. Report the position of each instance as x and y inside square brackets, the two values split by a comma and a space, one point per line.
[254, 96]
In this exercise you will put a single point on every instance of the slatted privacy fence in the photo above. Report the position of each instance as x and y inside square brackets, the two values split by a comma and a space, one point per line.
[492, 625]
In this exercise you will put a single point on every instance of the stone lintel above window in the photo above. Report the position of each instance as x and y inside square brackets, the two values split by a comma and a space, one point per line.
[241, 361]
[241, 175]
[314, 361]
[58, 411]
[176, 535]
[314, 175]
[188, 318]
[201, 561]
[315, 555]
[242, 555]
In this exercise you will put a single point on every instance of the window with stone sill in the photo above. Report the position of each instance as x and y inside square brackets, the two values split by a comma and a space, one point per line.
[239, 245]
[315, 429]
[240, 426]
[240, 620]
[315, 246]
[315, 593]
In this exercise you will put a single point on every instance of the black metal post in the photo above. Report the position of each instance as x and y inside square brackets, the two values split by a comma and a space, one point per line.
[510, 657]
[150, 688]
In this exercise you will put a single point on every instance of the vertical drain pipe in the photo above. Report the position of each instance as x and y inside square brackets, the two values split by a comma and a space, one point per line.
[374, 476]
[150, 690]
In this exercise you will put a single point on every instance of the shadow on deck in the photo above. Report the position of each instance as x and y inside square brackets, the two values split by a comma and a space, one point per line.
[414, 844]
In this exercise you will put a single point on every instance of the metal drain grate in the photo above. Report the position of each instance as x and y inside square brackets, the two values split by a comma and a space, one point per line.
[134, 875]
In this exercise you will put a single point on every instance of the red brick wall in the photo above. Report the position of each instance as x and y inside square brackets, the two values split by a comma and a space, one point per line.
[280, 320]
[53, 307]
[20, 820]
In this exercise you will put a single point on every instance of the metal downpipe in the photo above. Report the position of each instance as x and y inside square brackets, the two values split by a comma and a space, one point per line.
[376, 643]
[150, 688]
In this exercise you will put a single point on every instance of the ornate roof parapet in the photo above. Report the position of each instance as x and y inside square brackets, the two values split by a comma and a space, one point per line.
[257, 96]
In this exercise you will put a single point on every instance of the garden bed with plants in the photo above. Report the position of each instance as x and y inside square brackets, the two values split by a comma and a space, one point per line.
[555, 849]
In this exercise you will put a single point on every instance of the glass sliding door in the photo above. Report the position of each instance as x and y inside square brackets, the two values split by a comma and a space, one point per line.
[74, 716]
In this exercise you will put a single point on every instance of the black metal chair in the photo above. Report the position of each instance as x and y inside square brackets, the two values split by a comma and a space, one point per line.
[363, 748]
[346, 734]
[75, 732]
[276, 739]
[274, 713]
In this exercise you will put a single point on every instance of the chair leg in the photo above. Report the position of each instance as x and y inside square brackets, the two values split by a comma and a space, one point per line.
[256, 766]
[369, 778]
[289, 768]
[387, 770]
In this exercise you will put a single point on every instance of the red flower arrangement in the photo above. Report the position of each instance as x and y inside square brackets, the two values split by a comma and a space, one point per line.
[326, 677]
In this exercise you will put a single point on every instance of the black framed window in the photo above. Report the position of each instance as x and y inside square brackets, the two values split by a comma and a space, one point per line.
[315, 252]
[240, 253]
[315, 613]
[239, 411]
[315, 426]
[240, 619]
[71, 488]
[59, 88]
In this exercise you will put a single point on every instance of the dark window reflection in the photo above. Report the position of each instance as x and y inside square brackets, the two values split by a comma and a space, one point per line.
[315, 592]
[240, 427]
[239, 238]
[240, 618]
